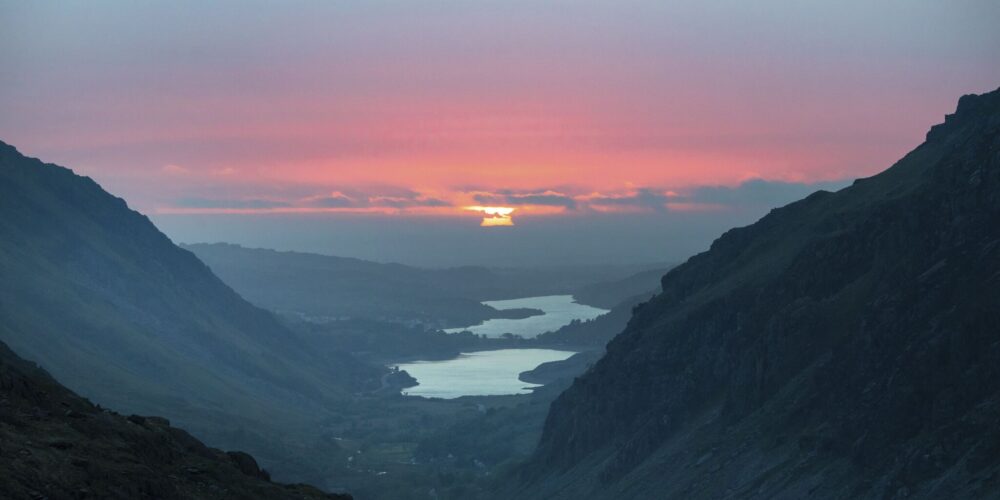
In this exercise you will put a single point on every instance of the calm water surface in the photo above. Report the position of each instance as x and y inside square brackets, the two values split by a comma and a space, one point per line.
[559, 311]
[481, 373]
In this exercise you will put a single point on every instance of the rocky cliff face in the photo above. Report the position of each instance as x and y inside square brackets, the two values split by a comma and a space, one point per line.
[54, 444]
[844, 346]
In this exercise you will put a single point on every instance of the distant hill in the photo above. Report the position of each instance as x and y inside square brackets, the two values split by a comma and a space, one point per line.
[95, 294]
[326, 287]
[844, 346]
[56, 444]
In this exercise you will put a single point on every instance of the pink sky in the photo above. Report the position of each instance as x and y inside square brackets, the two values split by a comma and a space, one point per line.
[407, 107]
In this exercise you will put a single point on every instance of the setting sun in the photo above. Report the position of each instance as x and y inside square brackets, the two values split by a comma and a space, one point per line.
[494, 216]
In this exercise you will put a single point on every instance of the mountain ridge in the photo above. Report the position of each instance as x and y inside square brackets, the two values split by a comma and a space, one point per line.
[97, 295]
[815, 341]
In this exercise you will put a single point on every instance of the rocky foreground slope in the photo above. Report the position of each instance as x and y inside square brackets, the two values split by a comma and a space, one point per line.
[844, 346]
[57, 445]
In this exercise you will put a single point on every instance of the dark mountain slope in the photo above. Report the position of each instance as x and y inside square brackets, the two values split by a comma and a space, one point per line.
[57, 445]
[94, 293]
[844, 346]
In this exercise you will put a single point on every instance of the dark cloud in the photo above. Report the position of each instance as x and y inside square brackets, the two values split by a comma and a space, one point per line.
[345, 199]
[335, 201]
[228, 203]
[643, 199]
[589, 237]
[399, 199]
[749, 195]
[398, 202]
[546, 198]
[490, 199]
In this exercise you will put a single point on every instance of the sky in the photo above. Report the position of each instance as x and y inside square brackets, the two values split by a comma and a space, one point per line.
[480, 132]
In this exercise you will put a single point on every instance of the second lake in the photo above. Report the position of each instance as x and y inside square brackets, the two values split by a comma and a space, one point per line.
[559, 310]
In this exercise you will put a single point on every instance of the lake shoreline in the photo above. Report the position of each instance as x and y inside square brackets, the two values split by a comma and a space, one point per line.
[558, 311]
[501, 351]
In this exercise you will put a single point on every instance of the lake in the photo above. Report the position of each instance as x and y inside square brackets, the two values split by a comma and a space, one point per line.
[481, 373]
[559, 311]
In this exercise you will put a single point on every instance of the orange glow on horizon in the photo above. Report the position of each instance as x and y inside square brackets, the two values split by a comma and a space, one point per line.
[497, 221]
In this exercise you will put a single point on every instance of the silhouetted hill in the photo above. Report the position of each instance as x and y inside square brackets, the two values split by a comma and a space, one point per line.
[322, 286]
[844, 346]
[55, 444]
[95, 294]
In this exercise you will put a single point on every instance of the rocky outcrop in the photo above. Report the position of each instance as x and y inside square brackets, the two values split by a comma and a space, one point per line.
[844, 346]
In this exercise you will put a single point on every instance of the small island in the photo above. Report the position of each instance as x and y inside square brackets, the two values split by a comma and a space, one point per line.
[517, 313]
